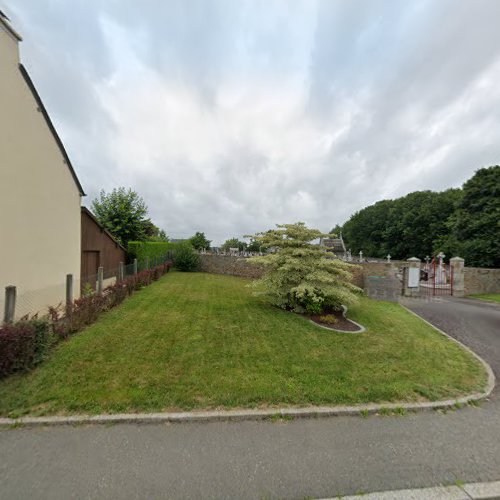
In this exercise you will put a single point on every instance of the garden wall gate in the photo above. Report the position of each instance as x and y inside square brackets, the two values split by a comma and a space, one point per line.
[436, 277]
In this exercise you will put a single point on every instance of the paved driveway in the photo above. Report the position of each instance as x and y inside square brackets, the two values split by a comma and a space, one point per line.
[255, 460]
[474, 322]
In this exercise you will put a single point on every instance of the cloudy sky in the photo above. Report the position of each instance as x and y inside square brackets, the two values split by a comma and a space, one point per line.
[230, 116]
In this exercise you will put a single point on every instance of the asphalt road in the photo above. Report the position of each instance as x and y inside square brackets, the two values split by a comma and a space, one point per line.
[298, 459]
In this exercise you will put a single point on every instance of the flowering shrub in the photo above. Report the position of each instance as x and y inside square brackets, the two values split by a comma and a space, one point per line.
[26, 343]
[302, 276]
[23, 345]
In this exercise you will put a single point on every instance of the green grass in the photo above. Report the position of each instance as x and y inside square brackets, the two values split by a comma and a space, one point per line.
[194, 340]
[490, 297]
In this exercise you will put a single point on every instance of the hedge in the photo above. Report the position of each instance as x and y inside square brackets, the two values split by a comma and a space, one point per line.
[142, 250]
[23, 345]
[26, 343]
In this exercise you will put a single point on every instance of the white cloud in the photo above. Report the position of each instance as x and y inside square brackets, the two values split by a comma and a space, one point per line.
[229, 117]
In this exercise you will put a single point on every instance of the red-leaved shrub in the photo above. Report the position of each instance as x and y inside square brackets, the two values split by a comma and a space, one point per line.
[23, 345]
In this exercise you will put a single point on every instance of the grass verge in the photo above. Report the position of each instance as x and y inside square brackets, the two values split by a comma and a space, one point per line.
[489, 297]
[198, 341]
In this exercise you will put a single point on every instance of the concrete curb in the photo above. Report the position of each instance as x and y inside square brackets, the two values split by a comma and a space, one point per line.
[474, 491]
[268, 414]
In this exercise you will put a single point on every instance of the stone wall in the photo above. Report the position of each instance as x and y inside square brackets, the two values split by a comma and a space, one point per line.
[480, 280]
[378, 279]
[228, 264]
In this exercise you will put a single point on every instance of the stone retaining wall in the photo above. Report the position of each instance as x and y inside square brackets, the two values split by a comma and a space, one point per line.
[480, 280]
[378, 279]
[228, 264]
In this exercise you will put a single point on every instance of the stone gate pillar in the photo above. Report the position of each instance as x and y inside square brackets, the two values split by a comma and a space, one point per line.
[457, 265]
[412, 277]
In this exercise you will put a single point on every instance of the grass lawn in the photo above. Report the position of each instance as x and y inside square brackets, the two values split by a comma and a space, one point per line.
[490, 297]
[204, 341]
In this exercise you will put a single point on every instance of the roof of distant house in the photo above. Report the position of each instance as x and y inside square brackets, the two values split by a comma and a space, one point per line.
[335, 244]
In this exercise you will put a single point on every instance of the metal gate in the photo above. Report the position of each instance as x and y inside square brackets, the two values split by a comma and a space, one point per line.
[436, 277]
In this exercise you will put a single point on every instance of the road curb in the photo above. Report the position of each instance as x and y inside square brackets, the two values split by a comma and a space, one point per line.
[469, 491]
[267, 414]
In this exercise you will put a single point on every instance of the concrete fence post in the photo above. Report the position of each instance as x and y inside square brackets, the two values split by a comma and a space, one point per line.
[69, 291]
[100, 279]
[10, 304]
[458, 283]
[147, 262]
[121, 271]
[412, 277]
[135, 266]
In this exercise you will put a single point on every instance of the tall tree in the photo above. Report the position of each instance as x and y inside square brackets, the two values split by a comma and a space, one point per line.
[123, 213]
[405, 227]
[474, 228]
[153, 233]
[234, 243]
[199, 241]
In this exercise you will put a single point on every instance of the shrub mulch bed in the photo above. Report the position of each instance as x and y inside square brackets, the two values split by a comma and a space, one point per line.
[341, 323]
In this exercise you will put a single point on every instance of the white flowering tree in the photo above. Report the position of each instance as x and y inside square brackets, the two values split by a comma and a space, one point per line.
[302, 276]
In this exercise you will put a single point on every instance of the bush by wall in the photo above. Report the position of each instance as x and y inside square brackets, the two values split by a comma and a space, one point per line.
[142, 250]
[186, 258]
[23, 345]
[26, 343]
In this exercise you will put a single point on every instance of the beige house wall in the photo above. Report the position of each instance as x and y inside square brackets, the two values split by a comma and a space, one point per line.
[39, 199]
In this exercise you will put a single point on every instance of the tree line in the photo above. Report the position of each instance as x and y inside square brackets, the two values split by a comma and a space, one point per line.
[463, 222]
[124, 213]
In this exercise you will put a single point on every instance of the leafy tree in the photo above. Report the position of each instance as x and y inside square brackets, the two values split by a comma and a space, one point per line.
[404, 227]
[153, 232]
[234, 243]
[366, 230]
[185, 257]
[301, 276]
[336, 230]
[474, 228]
[254, 246]
[123, 213]
[199, 241]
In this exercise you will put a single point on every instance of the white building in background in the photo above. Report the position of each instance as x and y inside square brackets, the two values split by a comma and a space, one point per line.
[39, 191]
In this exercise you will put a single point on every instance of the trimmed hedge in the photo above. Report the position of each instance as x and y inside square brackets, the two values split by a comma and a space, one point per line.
[26, 343]
[142, 250]
[85, 310]
[23, 345]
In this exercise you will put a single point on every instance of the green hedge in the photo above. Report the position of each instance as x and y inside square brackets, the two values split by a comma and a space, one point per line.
[141, 250]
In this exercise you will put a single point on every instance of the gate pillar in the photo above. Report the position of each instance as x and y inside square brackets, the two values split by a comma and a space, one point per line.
[457, 276]
[412, 277]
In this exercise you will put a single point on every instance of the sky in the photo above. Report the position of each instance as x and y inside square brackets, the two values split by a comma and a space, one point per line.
[229, 117]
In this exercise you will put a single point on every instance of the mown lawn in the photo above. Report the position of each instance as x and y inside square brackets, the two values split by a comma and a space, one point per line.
[204, 341]
[490, 297]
